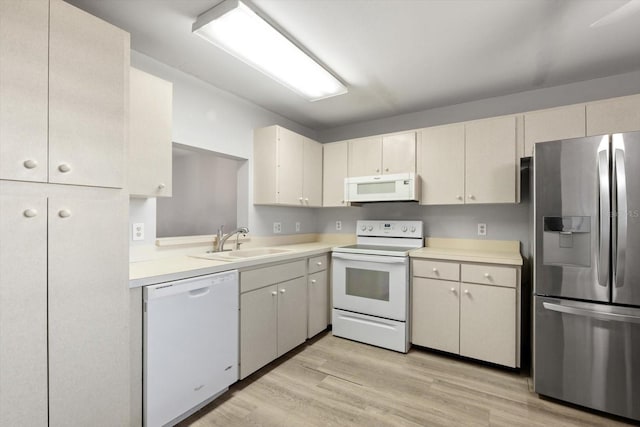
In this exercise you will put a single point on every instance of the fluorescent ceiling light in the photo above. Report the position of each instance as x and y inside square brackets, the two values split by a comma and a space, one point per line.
[238, 30]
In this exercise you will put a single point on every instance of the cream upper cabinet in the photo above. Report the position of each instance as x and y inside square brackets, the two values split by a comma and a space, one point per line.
[23, 310]
[335, 167]
[552, 124]
[490, 160]
[63, 80]
[150, 116]
[614, 115]
[24, 49]
[365, 156]
[388, 154]
[312, 173]
[280, 158]
[440, 164]
[399, 153]
[88, 83]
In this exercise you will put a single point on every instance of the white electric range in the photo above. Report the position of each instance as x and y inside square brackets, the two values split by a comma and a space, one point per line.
[371, 283]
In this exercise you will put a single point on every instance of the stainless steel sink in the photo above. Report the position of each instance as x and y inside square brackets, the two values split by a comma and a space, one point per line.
[242, 254]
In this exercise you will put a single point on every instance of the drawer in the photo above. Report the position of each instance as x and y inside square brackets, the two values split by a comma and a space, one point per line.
[489, 275]
[260, 277]
[436, 269]
[318, 263]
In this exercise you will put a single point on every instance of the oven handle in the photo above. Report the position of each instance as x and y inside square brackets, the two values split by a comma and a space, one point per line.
[382, 259]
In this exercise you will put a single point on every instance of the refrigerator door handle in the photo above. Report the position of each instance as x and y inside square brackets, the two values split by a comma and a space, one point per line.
[620, 177]
[604, 213]
[600, 315]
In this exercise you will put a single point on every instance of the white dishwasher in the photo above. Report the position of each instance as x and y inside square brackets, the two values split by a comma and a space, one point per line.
[190, 345]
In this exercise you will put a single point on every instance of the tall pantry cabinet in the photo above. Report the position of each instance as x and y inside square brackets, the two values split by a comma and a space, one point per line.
[64, 298]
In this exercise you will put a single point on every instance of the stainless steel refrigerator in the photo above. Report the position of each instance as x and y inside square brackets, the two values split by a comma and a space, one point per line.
[587, 272]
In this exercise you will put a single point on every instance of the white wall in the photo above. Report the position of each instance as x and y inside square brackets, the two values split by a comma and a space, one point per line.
[212, 119]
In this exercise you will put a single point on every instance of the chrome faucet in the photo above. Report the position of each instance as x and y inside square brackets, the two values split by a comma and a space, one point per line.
[222, 238]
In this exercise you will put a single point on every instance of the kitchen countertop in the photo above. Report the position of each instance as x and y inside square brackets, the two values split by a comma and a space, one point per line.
[504, 252]
[160, 270]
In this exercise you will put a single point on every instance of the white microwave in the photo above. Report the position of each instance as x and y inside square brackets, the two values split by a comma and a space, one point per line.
[402, 187]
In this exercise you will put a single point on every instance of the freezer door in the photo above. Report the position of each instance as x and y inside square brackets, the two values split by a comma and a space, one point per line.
[588, 354]
[626, 196]
[573, 218]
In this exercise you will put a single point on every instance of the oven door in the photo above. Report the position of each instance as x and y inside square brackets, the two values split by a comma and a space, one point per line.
[371, 284]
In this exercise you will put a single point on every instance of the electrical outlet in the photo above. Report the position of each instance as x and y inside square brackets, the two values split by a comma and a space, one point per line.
[137, 231]
[297, 227]
[277, 227]
[338, 225]
[482, 229]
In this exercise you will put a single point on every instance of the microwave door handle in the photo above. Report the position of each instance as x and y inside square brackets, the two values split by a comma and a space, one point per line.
[621, 209]
[370, 258]
[604, 212]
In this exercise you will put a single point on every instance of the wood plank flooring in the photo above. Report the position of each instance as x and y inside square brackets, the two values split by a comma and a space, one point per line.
[336, 382]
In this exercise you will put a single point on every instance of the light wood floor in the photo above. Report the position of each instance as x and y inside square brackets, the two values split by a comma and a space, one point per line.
[335, 382]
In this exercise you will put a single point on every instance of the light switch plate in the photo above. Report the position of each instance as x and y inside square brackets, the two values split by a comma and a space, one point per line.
[338, 225]
[137, 231]
[297, 227]
[482, 229]
[277, 227]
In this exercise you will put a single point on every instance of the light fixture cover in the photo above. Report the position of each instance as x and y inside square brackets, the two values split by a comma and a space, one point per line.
[238, 30]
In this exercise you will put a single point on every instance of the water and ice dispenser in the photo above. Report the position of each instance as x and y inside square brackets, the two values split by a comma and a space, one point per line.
[567, 240]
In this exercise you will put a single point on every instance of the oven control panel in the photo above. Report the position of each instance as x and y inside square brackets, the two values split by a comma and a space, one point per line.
[389, 228]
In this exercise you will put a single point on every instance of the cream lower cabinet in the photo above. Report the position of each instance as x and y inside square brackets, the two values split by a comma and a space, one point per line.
[63, 264]
[273, 313]
[318, 295]
[477, 320]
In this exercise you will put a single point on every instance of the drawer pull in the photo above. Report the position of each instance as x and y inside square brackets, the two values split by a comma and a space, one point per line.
[435, 270]
[319, 263]
[274, 293]
[282, 291]
[313, 280]
[487, 275]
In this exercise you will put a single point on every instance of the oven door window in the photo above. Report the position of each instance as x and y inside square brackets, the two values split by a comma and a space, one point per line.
[370, 284]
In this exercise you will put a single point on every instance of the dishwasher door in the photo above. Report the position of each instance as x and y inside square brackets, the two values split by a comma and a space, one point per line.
[190, 345]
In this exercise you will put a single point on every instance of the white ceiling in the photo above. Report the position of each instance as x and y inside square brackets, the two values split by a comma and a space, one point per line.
[396, 56]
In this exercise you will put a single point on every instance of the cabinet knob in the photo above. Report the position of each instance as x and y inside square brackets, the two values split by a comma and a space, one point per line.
[435, 270]
[319, 263]
[274, 293]
[459, 197]
[471, 196]
[64, 168]
[466, 291]
[64, 213]
[300, 198]
[161, 186]
[386, 169]
[378, 170]
[30, 213]
[313, 280]
[306, 200]
[282, 291]
[342, 202]
[453, 290]
[30, 163]
[487, 275]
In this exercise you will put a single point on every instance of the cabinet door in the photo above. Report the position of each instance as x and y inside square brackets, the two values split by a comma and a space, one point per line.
[89, 377]
[289, 175]
[24, 49]
[488, 323]
[334, 171]
[441, 165]
[399, 153]
[365, 156]
[258, 333]
[318, 289]
[312, 173]
[615, 115]
[490, 160]
[292, 314]
[556, 123]
[88, 88]
[435, 314]
[23, 310]
[150, 109]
